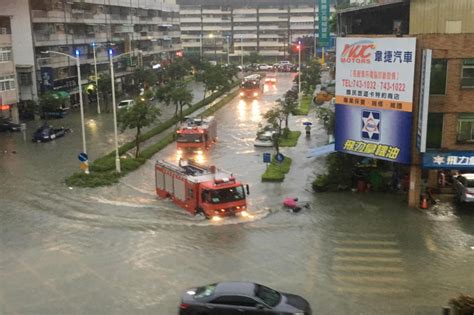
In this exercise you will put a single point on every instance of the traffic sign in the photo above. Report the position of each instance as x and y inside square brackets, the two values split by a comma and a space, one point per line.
[82, 157]
[279, 157]
[267, 157]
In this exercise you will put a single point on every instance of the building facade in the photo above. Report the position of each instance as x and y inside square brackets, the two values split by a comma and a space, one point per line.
[447, 29]
[243, 28]
[67, 26]
[8, 82]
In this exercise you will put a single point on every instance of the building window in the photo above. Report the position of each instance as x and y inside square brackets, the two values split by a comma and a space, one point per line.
[25, 78]
[467, 74]
[435, 131]
[439, 72]
[5, 54]
[7, 83]
[465, 128]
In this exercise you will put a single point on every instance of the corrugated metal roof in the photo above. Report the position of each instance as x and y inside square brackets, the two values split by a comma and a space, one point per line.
[381, 3]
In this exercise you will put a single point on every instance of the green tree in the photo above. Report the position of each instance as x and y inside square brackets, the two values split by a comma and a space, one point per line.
[140, 115]
[177, 70]
[310, 77]
[287, 106]
[145, 77]
[253, 57]
[213, 78]
[181, 96]
[275, 118]
[105, 89]
[49, 102]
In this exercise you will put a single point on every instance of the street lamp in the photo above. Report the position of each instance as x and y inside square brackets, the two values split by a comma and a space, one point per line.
[94, 46]
[215, 46]
[242, 52]
[228, 48]
[299, 69]
[78, 64]
[114, 106]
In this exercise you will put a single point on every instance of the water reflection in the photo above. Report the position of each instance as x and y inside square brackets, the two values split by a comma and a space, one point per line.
[242, 111]
[255, 111]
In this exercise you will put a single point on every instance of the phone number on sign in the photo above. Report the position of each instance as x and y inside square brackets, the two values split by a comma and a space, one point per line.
[372, 85]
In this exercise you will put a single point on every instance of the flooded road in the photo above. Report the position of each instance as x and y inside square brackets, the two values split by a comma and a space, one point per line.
[119, 250]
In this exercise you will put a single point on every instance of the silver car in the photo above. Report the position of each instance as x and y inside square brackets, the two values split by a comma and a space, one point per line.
[464, 187]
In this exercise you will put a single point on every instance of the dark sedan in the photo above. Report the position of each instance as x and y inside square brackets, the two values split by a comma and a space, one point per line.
[47, 133]
[8, 125]
[229, 298]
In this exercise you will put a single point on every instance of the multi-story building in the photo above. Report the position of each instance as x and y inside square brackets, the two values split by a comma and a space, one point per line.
[8, 83]
[243, 27]
[447, 29]
[68, 26]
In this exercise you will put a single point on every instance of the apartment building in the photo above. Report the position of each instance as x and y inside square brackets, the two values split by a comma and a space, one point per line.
[266, 28]
[67, 26]
[447, 29]
[8, 82]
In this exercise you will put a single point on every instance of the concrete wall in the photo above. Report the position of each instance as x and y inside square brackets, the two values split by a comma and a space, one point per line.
[22, 38]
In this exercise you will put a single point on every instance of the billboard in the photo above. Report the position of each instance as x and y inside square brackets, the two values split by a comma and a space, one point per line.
[323, 23]
[374, 97]
[424, 102]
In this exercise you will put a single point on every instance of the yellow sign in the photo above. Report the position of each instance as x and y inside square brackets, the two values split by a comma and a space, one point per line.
[84, 166]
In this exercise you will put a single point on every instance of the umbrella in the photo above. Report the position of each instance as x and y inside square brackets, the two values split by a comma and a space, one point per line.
[307, 123]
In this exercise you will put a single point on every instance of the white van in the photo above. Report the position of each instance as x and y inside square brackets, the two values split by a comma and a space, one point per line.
[125, 104]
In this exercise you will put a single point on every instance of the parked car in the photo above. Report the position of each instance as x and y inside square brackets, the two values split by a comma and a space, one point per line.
[241, 298]
[125, 104]
[464, 187]
[8, 125]
[264, 139]
[265, 67]
[47, 133]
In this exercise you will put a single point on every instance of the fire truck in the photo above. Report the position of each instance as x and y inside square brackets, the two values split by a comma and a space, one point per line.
[251, 86]
[194, 136]
[200, 189]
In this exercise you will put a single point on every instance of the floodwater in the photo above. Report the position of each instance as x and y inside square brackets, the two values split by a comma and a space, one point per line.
[120, 250]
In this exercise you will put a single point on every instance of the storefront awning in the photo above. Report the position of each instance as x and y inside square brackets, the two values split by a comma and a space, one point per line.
[320, 151]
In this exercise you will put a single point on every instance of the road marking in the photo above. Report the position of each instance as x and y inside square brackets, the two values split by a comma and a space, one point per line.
[368, 259]
[366, 268]
[367, 250]
[387, 279]
[371, 290]
[366, 242]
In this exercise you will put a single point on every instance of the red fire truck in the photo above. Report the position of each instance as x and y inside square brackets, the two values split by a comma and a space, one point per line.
[196, 135]
[199, 189]
[251, 86]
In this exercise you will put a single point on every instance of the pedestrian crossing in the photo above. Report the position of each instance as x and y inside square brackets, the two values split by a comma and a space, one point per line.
[368, 263]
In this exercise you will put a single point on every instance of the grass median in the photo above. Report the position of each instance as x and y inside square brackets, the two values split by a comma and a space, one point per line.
[303, 109]
[276, 171]
[290, 139]
[102, 170]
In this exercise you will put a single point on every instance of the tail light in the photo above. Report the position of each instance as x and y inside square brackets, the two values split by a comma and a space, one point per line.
[183, 306]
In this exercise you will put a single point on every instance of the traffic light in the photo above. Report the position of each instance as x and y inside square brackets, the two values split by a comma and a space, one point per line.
[179, 53]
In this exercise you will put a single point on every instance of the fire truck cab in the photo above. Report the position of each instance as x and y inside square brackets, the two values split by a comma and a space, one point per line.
[251, 86]
[195, 135]
[198, 189]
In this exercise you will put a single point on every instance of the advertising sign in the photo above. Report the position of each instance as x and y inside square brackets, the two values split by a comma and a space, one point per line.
[46, 79]
[323, 20]
[457, 160]
[424, 100]
[374, 95]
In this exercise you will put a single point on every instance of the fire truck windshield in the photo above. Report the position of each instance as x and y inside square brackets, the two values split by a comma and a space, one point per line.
[189, 137]
[250, 84]
[227, 195]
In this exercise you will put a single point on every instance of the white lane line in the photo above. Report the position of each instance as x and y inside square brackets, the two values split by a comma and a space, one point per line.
[365, 279]
[367, 259]
[349, 268]
[367, 250]
[366, 242]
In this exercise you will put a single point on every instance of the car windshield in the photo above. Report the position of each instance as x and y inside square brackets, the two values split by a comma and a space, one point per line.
[205, 291]
[227, 194]
[250, 85]
[124, 103]
[264, 137]
[186, 138]
[470, 183]
[269, 296]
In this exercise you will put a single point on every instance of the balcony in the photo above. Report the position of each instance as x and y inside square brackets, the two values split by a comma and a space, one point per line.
[264, 52]
[245, 28]
[301, 19]
[271, 44]
[309, 10]
[245, 11]
[273, 11]
[190, 20]
[9, 97]
[245, 19]
[5, 40]
[272, 19]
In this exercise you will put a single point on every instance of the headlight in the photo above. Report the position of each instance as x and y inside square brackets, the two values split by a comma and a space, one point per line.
[255, 94]
[216, 218]
[241, 93]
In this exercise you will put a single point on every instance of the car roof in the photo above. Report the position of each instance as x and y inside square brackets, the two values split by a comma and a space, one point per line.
[235, 288]
[469, 176]
[128, 101]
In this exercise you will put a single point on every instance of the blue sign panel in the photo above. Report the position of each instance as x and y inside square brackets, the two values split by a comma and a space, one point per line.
[279, 157]
[457, 160]
[82, 157]
[382, 134]
[267, 157]
[323, 20]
